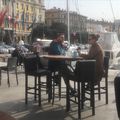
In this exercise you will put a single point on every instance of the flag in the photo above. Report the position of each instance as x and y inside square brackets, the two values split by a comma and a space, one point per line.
[1, 12]
[15, 23]
[6, 22]
[2, 15]
[23, 19]
[31, 26]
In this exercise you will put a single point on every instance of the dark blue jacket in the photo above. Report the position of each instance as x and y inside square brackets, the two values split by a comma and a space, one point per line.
[55, 49]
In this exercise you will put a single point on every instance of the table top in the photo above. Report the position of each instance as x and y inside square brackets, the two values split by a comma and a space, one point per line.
[61, 57]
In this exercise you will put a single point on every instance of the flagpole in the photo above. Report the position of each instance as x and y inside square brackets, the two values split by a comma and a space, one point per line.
[13, 20]
[68, 22]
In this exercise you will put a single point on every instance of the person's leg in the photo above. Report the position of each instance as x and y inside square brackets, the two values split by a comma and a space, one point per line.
[67, 73]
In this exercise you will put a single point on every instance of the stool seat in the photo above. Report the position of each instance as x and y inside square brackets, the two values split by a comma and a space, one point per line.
[40, 72]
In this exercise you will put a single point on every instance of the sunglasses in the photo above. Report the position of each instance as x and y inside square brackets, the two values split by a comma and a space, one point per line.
[90, 39]
[62, 37]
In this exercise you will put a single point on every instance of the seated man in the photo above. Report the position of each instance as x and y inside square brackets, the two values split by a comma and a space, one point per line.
[57, 48]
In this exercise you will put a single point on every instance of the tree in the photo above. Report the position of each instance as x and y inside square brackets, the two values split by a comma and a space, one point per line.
[59, 27]
[82, 37]
[40, 31]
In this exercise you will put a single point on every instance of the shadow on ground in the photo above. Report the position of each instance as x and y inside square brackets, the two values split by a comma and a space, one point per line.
[32, 111]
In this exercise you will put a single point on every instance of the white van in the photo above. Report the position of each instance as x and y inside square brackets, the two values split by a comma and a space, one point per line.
[111, 46]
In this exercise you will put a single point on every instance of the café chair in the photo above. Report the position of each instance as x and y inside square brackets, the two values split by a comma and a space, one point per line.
[84, 73]
[11, 66]
[117, 93]
[56, 84]
[33, 67]
[103, 89]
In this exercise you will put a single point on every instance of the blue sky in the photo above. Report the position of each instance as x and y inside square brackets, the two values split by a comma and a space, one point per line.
[96, 9]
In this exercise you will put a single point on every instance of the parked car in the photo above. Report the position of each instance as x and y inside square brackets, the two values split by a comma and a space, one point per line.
[23, 49]
[10, 48]
[111, 46]
[3, 50]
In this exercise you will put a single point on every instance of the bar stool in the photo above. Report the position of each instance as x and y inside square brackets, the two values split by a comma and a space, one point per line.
[83, 73]
[102, 87]
[34, 68]
[56, 84]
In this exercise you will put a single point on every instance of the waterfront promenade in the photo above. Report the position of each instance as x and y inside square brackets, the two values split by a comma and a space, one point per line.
[12, 102]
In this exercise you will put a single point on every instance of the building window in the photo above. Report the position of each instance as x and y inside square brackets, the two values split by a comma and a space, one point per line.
[39, 10]
[27, 17]
[31, 9]
[17, 15]
[22, 6]
[17, 5]
[27, 7]
[32, 17]
[5, 2]
[52, 16]
[40, 18]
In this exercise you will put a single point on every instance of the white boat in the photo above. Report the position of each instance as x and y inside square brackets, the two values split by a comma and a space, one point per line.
[111, 46]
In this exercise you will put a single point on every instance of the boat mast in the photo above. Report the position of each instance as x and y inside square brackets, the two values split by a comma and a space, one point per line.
[68, 22]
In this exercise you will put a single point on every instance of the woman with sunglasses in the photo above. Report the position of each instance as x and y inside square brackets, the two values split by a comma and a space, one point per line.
[96, 53]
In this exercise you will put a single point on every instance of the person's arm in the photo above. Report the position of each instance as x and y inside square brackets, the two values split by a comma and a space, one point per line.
[54, 49]
[57, 49]
[91, 54]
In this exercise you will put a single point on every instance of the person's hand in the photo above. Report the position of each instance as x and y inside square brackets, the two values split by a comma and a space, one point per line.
[78, 50]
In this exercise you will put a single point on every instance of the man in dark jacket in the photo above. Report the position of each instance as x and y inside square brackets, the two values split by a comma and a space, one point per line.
[56, 48]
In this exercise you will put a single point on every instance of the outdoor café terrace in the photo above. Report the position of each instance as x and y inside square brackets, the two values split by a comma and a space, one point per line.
[12, 102]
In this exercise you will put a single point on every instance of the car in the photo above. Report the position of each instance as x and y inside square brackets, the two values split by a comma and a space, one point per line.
[3, 50]
[23, 49]
[10, 48]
